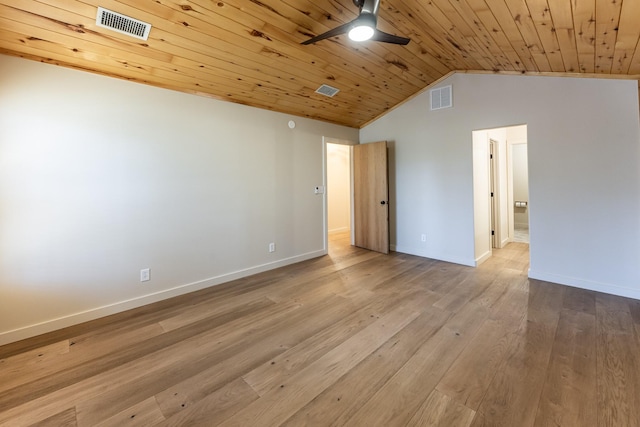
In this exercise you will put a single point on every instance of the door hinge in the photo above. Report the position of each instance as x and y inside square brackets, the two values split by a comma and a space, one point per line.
[493, 233]
[491, 156]
[492, 194]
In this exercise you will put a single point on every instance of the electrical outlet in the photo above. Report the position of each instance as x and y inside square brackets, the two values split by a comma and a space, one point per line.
[272, 247]
[423, 237]
[145, 275]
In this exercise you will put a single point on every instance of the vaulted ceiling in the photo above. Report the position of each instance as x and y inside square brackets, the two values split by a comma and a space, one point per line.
[249, 52]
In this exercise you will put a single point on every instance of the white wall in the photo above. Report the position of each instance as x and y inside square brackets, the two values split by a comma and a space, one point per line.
[100, 178]
[584, 154]
[338, 187]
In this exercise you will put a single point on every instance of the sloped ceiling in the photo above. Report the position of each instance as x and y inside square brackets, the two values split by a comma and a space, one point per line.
[249, 52]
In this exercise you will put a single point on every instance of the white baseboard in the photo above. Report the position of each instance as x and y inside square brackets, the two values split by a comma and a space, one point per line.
[585, 284]
[439, 257]
[482, 258]
[7, 337]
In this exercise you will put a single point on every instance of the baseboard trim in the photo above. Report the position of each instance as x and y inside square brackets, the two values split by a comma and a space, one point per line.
[483, 258]
[416, 252]
[118, 307]
[585, 284]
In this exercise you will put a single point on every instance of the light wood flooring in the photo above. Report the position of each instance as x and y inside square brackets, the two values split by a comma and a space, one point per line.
[354, 338]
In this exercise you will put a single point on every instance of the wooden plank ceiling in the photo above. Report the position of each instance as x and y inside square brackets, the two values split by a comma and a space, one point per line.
[249, 52]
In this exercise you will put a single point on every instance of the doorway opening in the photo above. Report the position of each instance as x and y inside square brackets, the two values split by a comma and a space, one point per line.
[338, 207]
[500, 189]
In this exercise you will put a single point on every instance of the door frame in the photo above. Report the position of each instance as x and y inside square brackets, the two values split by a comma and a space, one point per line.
[325, 201]
[502, 183]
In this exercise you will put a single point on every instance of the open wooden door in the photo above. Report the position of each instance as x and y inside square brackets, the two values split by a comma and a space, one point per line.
[371, 196]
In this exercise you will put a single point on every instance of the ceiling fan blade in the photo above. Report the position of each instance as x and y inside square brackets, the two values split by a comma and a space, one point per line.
[342, 29]
[381, 36]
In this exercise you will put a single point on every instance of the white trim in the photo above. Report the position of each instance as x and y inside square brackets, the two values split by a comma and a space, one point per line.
[585, 284]
[420, 253]
[483, 258]
[325, 200]
[106, 310]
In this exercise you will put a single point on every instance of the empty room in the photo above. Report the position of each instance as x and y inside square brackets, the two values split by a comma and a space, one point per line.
[319, 213]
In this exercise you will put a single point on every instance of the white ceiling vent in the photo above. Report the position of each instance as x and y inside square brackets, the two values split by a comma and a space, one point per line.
[441, 97]
[327, 90]
[123, 24]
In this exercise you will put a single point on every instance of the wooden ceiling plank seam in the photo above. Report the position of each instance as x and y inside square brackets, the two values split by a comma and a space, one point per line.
[502, 15]
[365, 61]
[178, 11]
[229, 34]
[494, 29]
[425, 43]
[522, 17]
[541, 17]
[503, 61]
[634, 67]
[329, 10]
[235, 48]
[555, 74]
[420, 48]
[424, 59]
[415, 17]
[458, 11]
[88, 34]
[562, 18]
[415, 74]
[439, 27]
[628, 38]
[356, 114]
[64, 25]
[584, 22]
[40, 35]
[394, 67]
[453, 16]
[607, 21]
[286, 51]
[193, 69]
[265, 9]
[58, 17]
[410, 54]
[452, 35]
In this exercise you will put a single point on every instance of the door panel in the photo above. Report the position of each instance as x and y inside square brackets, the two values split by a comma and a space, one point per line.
[371, 196]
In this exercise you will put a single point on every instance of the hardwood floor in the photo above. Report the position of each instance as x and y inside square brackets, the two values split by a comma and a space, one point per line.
[354, 338]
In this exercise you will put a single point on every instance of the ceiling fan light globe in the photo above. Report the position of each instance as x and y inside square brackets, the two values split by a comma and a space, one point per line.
[361, 32]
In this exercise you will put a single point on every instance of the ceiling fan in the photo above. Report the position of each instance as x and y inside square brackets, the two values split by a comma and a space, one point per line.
[363, 27]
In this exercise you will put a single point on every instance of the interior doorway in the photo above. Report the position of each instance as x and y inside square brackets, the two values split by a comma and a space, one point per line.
[339, 190]
[501, 192]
